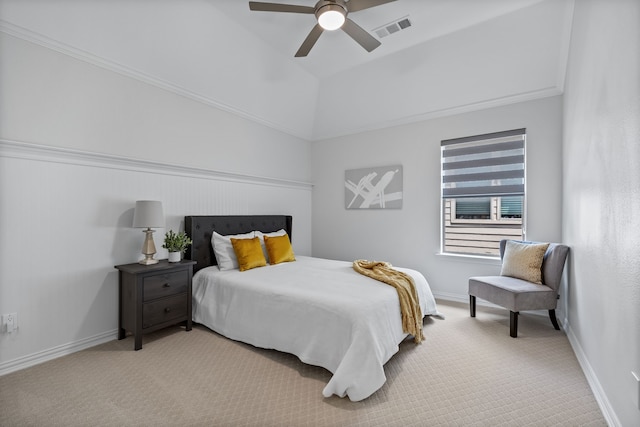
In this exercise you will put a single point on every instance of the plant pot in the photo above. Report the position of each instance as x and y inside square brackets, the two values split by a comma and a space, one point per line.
[174, 256]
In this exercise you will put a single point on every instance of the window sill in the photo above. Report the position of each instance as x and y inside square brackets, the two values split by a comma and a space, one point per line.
[476, 259]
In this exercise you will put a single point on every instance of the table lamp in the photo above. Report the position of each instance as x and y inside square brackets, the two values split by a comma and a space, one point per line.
[148, 213]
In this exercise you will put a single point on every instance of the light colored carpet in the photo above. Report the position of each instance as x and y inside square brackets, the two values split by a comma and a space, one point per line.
[468, 372]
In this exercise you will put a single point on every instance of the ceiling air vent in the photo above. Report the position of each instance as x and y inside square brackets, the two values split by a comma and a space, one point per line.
[393, 27]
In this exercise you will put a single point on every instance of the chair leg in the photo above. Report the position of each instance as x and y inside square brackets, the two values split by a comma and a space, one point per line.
[513, 324]
[552, 316]
[472, 305]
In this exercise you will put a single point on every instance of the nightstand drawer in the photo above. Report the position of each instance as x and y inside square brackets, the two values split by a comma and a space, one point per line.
[162, 285]
[164, 310]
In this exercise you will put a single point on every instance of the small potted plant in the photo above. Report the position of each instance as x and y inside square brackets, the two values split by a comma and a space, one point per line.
[176, 244]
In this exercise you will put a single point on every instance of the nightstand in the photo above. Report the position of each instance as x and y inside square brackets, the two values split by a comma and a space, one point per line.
[153, 297]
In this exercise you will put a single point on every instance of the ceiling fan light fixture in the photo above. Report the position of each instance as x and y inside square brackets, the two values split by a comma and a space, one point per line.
[331, 16]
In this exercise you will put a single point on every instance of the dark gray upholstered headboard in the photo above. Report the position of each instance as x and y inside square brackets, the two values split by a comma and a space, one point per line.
[200, 229]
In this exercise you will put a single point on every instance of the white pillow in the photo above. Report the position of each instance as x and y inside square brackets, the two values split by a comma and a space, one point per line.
[223, 249]
[261, 235]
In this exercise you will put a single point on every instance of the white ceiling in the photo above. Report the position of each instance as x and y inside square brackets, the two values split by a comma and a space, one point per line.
[458, 55]
[335, 51]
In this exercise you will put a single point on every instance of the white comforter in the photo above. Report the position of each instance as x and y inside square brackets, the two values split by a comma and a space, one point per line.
[317, 309]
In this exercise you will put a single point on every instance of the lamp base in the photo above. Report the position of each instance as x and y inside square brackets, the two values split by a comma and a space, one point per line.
[148, 248]
[148, 261]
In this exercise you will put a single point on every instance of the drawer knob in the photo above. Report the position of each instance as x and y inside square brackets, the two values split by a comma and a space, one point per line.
[167, 310]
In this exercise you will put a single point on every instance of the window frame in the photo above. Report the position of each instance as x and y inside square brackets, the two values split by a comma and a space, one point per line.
[478, 244]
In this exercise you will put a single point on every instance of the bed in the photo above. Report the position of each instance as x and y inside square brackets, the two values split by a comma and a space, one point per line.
[320, 310]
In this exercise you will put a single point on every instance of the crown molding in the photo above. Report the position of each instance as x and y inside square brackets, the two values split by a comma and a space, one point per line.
[557, 89]
[82, 55]
[445, 112]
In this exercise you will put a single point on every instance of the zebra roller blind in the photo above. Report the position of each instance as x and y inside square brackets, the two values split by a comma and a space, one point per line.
[490, 165]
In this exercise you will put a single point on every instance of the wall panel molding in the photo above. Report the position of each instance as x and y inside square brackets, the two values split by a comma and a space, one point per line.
[66, 220]
[45, 153]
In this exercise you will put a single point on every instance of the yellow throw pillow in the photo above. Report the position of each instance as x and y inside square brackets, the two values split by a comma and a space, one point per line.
[524, 260]
[249, 253]
[279, 249]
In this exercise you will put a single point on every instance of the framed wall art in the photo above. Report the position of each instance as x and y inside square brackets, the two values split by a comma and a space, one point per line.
[373, 188]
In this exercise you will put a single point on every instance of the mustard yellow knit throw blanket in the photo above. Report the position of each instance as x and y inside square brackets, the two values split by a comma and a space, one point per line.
[407, 293]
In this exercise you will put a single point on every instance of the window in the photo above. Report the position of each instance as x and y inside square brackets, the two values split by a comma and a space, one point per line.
[483, 189]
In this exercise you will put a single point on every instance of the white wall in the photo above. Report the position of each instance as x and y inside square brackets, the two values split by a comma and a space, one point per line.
[410, 236]
[602, 200]
[78, 146]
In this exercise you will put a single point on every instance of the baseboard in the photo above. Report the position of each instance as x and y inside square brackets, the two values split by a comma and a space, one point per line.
[464, 299]
[446, 296]
[55, 352]
[598, 392]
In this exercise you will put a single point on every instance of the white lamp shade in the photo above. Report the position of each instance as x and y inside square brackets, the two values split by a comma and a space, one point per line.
[148, 214]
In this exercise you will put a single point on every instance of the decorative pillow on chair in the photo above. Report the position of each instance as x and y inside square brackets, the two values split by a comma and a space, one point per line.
[523, 260]
[222, 248]
[249, 253]
[279, 249]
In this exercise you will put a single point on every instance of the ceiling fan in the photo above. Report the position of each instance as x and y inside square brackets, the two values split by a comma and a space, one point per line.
[331, 15]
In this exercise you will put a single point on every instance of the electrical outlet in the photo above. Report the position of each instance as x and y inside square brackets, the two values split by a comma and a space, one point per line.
[10, 322]
[637, 378]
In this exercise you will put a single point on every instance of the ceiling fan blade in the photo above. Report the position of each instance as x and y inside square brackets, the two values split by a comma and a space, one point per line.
[279, 7]
[363, 38]
[308, 43]
[356, 5]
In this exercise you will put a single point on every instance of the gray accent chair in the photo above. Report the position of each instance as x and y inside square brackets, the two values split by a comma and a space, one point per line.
[518, 295]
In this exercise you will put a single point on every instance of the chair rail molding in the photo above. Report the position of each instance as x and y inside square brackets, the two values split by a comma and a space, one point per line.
[45, 153]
